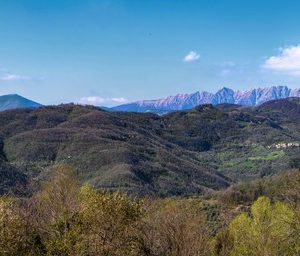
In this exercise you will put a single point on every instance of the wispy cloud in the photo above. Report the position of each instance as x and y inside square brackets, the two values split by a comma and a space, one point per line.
[191, 56]
[14, 77]
[6, 75]
[95, 100]
[287, 61]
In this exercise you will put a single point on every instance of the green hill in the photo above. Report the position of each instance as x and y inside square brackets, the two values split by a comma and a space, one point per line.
[181, 153]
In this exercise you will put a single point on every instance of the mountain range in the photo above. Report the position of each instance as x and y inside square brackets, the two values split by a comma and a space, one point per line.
[251, 97]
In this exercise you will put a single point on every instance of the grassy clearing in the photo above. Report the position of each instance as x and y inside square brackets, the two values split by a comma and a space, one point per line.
[269, 156]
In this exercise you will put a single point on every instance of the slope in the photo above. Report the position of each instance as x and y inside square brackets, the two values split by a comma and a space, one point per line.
[181, 153]
[13, 101]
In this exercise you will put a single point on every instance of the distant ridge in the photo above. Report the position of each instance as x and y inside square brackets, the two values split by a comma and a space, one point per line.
[251, 97]
[12, 101]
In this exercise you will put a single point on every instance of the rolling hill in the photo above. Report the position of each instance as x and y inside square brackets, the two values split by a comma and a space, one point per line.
[181, 153]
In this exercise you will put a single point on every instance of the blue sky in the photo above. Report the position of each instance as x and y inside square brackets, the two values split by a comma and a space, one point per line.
[110, 51]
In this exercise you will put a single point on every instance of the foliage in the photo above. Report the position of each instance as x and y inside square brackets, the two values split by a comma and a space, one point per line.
[268, 231]
[108, 223]
[54, 213]
[66, 219]
[174, 227]
[13, 233]
[282, 187]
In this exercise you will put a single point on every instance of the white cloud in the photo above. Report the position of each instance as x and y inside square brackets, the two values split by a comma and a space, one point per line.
[191, 56]
[6, 75]
[287, 61]
[94, 100]
[13, 77]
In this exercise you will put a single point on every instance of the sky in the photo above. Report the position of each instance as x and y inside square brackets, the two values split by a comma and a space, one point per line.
[109, 52]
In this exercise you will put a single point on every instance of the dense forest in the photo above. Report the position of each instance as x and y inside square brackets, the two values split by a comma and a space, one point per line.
[179, 154]
[65, 218]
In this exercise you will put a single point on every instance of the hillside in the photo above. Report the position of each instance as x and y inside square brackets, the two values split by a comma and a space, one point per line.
[13, 101]
[185, 152]
[251, 97]
[110, 150]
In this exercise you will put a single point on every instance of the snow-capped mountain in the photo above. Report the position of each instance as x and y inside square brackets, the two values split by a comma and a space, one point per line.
[250, 97]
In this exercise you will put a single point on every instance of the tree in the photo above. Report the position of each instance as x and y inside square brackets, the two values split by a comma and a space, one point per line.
[109, 223]
[222, 243]
[73, 220]
[174, 228]
[269, 231]
[54, 212]
[13, 229]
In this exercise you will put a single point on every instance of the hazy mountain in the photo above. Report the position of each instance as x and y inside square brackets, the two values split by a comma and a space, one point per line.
[13, 101]
[250, 97]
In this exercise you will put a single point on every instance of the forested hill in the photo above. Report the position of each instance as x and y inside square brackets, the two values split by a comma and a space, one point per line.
[181, 153]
